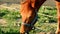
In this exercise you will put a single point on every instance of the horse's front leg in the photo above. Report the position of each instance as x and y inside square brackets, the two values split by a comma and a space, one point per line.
[58, 16]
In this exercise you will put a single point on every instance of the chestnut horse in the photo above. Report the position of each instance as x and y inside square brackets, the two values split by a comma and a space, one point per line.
[29, 9]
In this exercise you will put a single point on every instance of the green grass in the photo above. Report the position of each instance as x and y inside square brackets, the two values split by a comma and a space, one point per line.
[44, 24]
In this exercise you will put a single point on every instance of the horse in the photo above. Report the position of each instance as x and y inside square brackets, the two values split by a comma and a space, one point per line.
[29, 9]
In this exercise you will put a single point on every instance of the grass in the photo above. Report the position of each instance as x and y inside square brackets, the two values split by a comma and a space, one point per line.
[47, 21]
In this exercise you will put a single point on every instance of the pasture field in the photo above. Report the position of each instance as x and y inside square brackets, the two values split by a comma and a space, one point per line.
[10, 21]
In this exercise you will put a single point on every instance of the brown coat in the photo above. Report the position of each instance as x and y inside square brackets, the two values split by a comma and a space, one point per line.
[28, 11]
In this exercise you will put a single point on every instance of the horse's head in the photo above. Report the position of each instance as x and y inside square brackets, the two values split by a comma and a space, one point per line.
[28, 20]
[28, 14]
